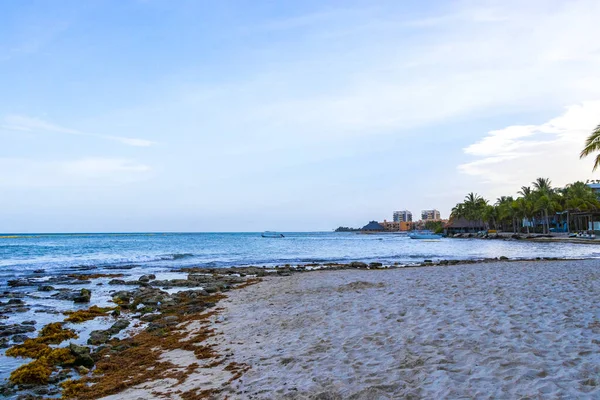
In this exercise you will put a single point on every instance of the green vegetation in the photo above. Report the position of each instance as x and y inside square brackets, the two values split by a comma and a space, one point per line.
[592, 145]
[540, 204]
[435, 226]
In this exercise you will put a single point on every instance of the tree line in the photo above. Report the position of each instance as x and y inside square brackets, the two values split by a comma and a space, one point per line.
[536, 208]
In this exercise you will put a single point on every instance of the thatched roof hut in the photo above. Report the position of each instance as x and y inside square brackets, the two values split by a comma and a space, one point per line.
[373, 226]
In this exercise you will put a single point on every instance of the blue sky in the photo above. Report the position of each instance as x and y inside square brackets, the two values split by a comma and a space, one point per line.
[254, 115]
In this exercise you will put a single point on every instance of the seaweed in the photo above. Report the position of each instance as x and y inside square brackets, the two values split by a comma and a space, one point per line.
[30, 348]
[86, 315]
[36, 372]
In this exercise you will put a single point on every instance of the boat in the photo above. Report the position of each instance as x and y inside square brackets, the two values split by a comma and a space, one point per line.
[269, 234]
[424, 235]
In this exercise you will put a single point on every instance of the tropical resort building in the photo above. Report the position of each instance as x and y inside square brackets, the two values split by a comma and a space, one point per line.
[402, 216]
[430, 215]
[393, 226]
[463, 225]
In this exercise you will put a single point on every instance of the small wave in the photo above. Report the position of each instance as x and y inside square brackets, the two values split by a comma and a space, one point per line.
[176, 256]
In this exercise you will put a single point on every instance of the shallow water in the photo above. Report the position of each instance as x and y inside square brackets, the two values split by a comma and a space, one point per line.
[61, 252]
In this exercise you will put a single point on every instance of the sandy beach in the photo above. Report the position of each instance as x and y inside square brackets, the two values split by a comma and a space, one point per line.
[491, 330]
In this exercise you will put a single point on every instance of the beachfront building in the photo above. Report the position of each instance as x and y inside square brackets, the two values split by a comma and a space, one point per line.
[373, 226]
[393, 226]
[595, 186]
[430, 215]
[402, 216]
[463, 225]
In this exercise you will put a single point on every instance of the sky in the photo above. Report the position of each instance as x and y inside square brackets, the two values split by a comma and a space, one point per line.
[161, 115]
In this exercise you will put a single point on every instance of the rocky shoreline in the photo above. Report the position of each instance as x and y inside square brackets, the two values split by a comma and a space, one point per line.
[83, 352]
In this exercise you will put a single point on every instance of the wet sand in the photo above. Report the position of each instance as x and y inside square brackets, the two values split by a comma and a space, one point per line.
[492, 330]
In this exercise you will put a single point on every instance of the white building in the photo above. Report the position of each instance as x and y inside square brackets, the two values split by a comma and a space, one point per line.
[402, 216]
[430, 215]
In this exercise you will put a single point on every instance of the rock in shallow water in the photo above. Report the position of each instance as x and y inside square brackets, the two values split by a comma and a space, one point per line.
[83, 297]
[16, 329]
[82, 355]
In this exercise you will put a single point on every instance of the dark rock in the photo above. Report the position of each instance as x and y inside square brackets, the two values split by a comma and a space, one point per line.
[45, 288]
[39, 271]
[4, 343]
[10, 330]
[82, 355]
[16, 301]
[118, 326]
[20, 283]
[503, 258]
[149, 317]
[28, 323]
[147, 278]
[19, 338]
[60, 376]
[116, 282]
[428, 261]
[357, 264]
[170, 320]
[83, 297]
[98, 337]
[375, 265]
[66, 294]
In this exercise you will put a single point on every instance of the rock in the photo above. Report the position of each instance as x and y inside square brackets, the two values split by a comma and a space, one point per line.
[116, 282]
[170, 320]
[82, 355]
[16, 301]
[375, 265]
[39, 271]
[98, 337]
[118, 326]
[66, 294]
[28, 323]
[4, 343]
[84, 296]
[16, 329]
[503, 258]
[147, 278]
[428, 261]
[83, 370]
[19, 338]
[19, 283]
[45, 288]
[357, 264]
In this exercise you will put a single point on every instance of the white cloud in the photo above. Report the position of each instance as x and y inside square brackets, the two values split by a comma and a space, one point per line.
[516, 155]
[89, 171]
[35, 125]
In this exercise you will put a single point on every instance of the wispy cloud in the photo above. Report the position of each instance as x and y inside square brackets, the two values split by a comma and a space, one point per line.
[516, 154]
[79, 172]
[36, 125]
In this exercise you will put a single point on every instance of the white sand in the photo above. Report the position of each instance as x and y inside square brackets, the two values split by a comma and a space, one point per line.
[501, 330]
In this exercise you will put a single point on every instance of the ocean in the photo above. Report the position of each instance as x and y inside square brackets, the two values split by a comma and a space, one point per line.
[59, 253]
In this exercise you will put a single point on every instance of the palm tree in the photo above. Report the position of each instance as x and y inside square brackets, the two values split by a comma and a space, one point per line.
[525, 191]
[592, 145]
[543, 185]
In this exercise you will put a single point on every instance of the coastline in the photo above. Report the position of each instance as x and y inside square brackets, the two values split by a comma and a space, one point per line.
[198, 347]
[502, 329]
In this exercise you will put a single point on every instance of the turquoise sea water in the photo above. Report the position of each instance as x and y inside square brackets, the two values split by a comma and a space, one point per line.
[57, 253]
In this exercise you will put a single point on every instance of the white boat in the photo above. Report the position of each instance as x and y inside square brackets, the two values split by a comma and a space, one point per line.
[269, 234]
[424, 235]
